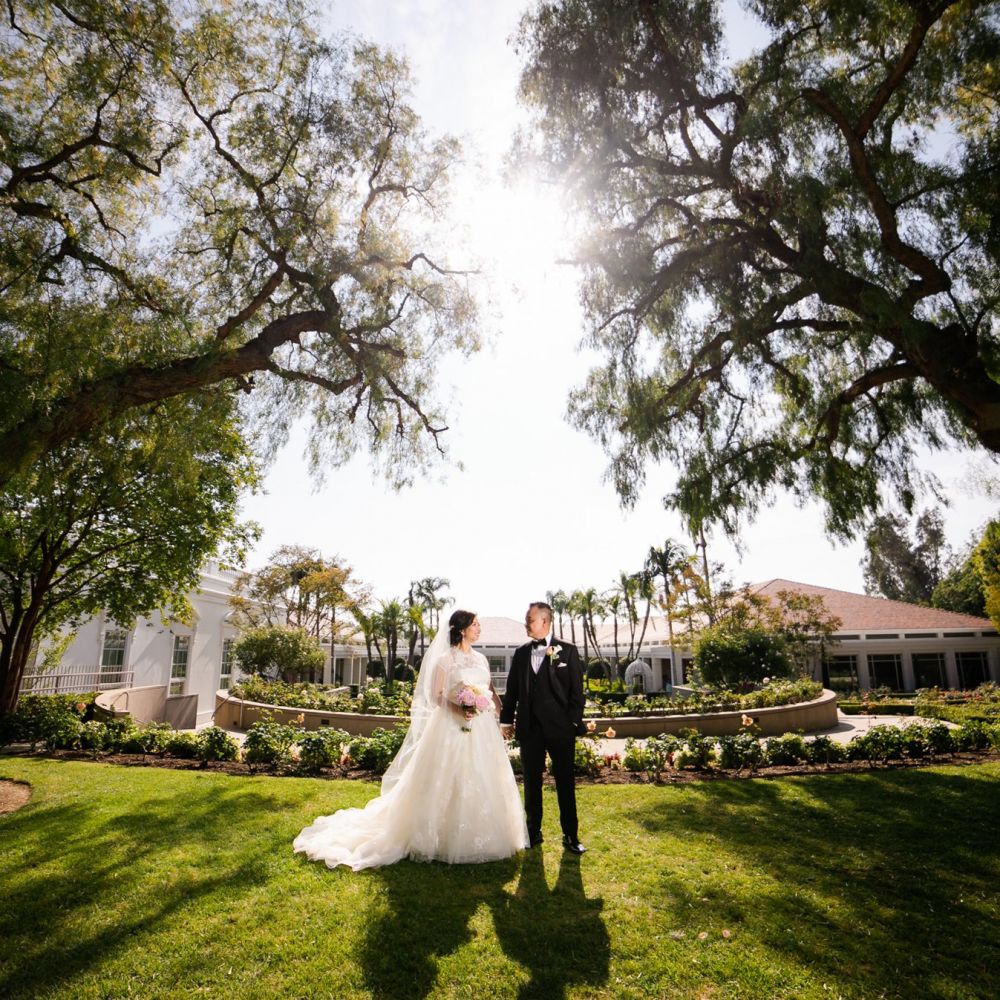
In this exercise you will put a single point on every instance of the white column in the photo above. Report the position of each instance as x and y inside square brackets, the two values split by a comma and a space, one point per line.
[909, 682]
[951, 668]
[864, 677]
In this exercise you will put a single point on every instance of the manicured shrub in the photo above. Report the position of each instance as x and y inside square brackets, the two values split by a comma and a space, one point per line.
[740, 751]
[62, 732]
[375, 752]
[289, 651]
[94, 735]
[147, 738]
[878, 745]
[586, 759]
[322, 748]
[514, 756]
[216, 744]
[634, 757]
[118, 731]
[269, 743]
[182, 745]
[786, 750]
[51, 718]
[974, 734]
[660, 751]
[823, 750]
[726, 657]
[697, 751]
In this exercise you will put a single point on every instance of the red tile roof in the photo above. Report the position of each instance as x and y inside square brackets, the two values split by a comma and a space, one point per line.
[859, 612]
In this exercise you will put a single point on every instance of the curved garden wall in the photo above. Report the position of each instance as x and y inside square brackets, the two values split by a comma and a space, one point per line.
[821, 713]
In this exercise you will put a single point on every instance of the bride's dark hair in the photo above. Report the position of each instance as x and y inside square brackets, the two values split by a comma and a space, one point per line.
[458, 623]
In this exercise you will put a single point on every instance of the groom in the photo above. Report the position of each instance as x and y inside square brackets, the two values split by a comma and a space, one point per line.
[545, 696]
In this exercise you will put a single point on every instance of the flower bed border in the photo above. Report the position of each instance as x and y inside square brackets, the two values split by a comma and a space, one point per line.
[806, 716]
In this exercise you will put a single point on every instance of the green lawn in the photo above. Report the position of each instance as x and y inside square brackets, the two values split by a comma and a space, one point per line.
[139, 882]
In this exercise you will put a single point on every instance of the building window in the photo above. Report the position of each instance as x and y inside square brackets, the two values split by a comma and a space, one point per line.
[929, 670]
[179, 663]
[843, 671]
[972, 669]
[885, 670]
[113, 656]
[498, 664]
[338, 670]
[226, 671]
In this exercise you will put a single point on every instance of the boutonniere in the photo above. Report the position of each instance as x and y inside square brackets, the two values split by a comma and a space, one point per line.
[552, 652]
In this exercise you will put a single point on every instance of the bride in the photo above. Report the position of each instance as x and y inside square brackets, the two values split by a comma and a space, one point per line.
[449, 794]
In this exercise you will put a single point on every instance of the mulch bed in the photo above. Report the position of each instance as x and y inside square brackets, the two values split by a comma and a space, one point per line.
[607, 776]
[13, 795]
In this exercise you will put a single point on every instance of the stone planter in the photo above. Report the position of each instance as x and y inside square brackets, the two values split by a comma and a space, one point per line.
[807, 716]
[821, 713]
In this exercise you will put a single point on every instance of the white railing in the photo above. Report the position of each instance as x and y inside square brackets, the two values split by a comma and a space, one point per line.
[76, 681]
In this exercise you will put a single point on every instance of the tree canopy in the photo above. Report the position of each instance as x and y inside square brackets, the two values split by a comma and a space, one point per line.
[120, 520]
[791, 267]
[901, 567]
[278, 652]
[298, 588]
[210, 194]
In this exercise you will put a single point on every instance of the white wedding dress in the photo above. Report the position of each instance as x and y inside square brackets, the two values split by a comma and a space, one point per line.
[451, 796]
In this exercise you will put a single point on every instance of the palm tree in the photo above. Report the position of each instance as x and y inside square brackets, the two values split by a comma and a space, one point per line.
[668, 563]
[644, 590]
[559, 603]
[368, 623]
[428, 589]
[390, 621]
[613, 603]
[593, 608]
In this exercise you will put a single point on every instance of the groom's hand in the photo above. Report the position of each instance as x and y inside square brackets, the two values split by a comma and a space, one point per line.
[507, 731]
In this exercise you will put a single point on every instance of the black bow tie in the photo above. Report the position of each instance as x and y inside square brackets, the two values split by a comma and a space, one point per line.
[535, 643]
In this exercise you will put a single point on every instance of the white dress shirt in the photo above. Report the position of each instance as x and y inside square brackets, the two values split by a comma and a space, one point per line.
[538, 653]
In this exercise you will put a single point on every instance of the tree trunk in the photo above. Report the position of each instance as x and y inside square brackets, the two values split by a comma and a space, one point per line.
[709, 610]
[15, 652]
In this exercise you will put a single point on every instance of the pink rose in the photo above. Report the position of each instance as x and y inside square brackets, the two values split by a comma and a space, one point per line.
[482, 703]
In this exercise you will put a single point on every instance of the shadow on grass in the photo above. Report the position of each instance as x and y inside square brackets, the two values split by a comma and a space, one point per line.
[886, 880]
[77, 882]
[556, 935]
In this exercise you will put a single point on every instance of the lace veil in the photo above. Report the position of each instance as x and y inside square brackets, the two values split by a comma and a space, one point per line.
[425, 700]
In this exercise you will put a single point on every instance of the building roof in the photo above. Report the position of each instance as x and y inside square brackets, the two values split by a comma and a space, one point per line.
[858, 612]
[501, 632]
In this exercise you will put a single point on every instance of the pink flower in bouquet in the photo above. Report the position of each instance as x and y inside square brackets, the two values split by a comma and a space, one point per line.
[471, 700]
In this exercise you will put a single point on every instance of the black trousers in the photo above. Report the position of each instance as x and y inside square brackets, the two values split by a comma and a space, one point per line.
[534, 746]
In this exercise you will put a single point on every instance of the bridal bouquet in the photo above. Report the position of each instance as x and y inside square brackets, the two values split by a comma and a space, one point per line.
[472, 700]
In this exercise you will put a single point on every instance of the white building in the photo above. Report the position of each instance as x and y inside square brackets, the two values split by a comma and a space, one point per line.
[879, 643]
[192, 660]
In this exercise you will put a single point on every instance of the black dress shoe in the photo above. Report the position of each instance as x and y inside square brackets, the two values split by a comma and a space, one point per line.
[573, 846]
[535, 839]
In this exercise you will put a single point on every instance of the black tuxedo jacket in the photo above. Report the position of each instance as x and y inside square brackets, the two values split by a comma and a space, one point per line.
[562, 717]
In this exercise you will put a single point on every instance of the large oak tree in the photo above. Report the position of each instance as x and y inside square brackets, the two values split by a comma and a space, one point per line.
[200, 193]
[791, 268]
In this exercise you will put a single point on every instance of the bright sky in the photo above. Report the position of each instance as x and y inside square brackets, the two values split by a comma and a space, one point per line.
[530, 511]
